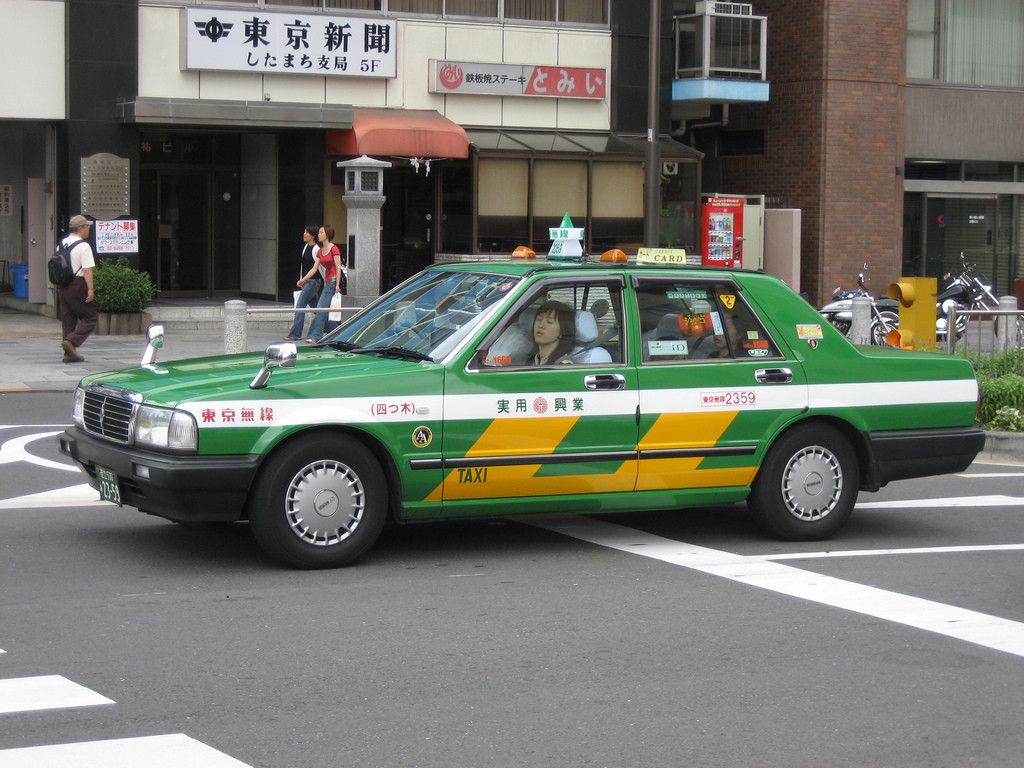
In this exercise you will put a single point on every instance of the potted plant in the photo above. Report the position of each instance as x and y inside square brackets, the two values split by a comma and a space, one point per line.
[122, 292]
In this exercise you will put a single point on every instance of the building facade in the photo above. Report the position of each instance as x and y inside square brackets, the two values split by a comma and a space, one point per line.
[894, 125]
[210, 132]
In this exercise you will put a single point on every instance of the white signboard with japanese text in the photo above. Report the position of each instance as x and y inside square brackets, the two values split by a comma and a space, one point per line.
[119, 236]
[517, 80]
[291, 43]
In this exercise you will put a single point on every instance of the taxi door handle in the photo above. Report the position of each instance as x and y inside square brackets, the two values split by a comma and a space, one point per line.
[773, 375]
[605, 381]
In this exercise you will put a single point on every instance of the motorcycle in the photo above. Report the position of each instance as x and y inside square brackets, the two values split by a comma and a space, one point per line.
[964, 291]
[884, 314]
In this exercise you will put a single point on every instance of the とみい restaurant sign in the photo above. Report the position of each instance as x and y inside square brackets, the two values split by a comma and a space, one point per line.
[517, 80]
[290, 43]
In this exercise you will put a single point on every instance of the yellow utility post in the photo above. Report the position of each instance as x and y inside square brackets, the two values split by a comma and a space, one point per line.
[916, 297]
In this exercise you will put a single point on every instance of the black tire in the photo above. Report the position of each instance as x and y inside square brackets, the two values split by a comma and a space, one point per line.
[879, 331]
[806, 488]
[319, 502]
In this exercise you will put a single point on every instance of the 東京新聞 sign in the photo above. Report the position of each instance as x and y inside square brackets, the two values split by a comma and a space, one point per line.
[288, 43]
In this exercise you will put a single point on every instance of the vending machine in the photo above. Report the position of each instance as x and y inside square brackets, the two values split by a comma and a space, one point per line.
[722, 232]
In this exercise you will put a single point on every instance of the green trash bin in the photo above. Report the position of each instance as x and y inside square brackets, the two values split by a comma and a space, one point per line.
[19, 278]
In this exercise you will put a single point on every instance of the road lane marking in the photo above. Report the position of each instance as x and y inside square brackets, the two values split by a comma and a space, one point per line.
[168, 751]
[33, 426]
[990, 474]
[909, 551]
[14, 450]
[948, 620]
[30, 694]
[995, 500]
[83, 495]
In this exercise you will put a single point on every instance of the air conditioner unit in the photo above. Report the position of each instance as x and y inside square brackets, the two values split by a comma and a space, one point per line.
[669, 168]
[708, 7]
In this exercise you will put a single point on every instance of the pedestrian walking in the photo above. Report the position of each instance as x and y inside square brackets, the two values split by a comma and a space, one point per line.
[77, 300]
[330, 260]
[310, 282]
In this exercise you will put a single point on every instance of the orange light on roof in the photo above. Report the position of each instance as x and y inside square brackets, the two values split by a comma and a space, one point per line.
[524, 252]
[614, 255]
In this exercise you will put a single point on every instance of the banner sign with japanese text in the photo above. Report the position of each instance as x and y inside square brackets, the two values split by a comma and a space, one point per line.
[289, 43]
[517, 80]
[118, 236]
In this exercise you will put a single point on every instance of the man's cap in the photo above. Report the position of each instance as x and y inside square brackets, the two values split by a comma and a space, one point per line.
[78, 221]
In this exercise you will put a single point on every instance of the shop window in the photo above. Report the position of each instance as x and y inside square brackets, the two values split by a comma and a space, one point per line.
[679, 207]
[502, 221]
[617, 216]
[559, 187]
[456, 231]
[480, 8]
[987, 171]
[416, 6]
[935, 170]
[534, 10]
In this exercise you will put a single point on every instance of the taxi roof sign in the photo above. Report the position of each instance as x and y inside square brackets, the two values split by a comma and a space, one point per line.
[661, 256]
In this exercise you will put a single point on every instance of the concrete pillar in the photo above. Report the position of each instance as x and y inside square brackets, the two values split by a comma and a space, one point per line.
[235, 331]
[860, 325]
[1006, 325]
[363, 198]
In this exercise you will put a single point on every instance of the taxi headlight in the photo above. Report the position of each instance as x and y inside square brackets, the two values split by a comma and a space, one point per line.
[78, 409]
[165, 428]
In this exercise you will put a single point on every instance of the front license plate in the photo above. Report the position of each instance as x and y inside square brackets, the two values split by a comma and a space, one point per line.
[109, 489]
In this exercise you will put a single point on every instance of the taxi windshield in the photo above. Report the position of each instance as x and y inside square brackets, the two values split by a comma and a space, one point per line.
[426, 316]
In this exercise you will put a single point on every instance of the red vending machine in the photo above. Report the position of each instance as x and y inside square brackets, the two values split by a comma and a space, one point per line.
[722, 232]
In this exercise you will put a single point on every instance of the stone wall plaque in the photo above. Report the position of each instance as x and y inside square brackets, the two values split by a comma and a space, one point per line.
[106, 186]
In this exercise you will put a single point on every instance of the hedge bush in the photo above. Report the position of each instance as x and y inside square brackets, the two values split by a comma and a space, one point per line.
[1000, 392]
[119, 287]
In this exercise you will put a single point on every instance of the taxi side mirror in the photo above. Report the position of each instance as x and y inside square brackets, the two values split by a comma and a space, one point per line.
[155, 336]
[276, 356]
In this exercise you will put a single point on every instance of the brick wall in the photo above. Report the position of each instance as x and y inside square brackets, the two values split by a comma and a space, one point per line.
[834, 135]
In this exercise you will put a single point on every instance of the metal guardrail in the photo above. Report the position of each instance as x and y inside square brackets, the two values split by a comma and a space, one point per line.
[992, 330]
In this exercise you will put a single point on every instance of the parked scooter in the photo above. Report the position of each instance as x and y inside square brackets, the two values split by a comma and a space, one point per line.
[839, 311]
[964, 291]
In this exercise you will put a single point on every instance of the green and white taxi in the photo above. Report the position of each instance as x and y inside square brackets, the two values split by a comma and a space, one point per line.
[524, 387]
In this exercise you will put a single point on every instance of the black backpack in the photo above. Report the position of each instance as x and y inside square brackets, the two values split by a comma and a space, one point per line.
[59, 265]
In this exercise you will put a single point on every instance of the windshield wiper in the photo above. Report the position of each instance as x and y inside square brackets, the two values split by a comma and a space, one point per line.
[411, 354]
[344, 346]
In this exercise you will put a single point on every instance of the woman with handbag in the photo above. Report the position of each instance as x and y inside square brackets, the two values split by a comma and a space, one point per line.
[310, 282]
[330, 260]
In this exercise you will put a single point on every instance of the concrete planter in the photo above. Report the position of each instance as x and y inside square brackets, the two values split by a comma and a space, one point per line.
[121, 323]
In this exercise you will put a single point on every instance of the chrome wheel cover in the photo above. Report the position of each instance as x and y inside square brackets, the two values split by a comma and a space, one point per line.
[324, 502]
[812, 483]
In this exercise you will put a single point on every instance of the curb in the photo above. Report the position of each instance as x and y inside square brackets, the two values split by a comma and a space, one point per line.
[1003, 447]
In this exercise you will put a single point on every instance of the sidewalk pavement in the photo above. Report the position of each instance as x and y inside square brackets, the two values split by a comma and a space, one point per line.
[31, 354]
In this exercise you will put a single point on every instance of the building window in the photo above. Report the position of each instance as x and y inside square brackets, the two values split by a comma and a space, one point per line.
[570, 11]
[966, 42]
[502, 210]
[617, 216]
[559, 187]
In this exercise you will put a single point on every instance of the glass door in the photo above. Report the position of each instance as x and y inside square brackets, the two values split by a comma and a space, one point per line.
[183, 215]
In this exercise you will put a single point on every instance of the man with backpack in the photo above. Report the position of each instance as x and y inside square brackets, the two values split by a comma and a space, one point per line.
[77, 300]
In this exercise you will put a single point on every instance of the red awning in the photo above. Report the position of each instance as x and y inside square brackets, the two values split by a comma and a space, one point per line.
[399, 132]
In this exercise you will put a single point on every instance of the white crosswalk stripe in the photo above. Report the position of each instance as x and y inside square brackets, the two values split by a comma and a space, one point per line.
[167, 751]
[28, 694]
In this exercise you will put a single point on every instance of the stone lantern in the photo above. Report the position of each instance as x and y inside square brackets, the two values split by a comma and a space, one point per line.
[363, 198]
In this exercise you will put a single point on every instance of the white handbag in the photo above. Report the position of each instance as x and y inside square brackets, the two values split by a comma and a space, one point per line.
[295, 298]
[335, 317]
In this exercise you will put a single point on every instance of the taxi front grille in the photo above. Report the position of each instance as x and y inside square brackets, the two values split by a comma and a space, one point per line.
[108, 415]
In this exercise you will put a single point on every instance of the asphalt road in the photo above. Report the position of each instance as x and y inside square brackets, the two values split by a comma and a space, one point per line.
[647, 640]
